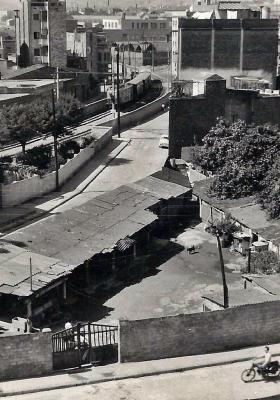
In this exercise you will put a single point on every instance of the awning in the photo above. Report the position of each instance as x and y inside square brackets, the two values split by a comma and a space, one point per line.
[124, 244]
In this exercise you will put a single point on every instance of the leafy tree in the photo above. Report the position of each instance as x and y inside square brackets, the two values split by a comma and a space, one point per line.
[18, 122]
[24, 57]
[242, 157]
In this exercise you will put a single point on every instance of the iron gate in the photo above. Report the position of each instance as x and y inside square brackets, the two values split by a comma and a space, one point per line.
[85, 344]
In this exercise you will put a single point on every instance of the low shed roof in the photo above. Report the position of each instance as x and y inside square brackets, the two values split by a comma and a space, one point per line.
[15, 271]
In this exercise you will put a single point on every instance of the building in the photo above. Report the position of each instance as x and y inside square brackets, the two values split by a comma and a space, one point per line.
[7, 45]
[100, 237]
[126, 28]
[42, 26]
[227, 47]
[88, 50]
[195, 107]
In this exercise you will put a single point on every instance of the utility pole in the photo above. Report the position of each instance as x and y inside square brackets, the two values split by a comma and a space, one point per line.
[55, 143]
[223, 271]
[57, 84]
[153, 55]
[118, 92]
[113, 81]
[30, 268]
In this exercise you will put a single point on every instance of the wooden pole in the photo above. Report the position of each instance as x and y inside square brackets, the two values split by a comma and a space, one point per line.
[55, 143]
[223, 272]
[30, 268]
[118, 92]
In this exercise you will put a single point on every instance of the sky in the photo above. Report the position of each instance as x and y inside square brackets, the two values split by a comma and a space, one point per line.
[13, 4]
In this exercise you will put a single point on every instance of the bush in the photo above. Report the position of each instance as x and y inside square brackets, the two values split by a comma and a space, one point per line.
[265, 262]
[6, 159]
[87, 141]
[68, 149]
[38, 157]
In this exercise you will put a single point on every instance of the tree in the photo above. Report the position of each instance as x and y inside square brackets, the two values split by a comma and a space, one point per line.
[18, 121]
[24, 57]
[242, 157]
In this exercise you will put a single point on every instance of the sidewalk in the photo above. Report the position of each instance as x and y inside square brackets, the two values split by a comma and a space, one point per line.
[94, 375]
[14, 217]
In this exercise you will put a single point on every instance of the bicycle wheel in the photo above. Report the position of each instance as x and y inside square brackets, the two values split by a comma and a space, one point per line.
[248, 375]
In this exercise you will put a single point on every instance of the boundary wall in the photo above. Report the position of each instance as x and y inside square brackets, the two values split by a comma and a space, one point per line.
[139, 115]
[199, 333]
[25, 355]
[19, 192]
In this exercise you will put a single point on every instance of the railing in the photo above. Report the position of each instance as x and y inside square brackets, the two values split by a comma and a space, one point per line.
[84, 336]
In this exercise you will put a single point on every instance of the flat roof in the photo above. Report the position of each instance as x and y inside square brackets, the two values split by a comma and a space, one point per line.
[96, 226]
[15, 270]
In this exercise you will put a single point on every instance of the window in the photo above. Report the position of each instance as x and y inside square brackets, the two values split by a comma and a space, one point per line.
[137, 25]
[153, 25]
[132, 25]
[36, 35]
[44, 16]
[116, 24]
[144, 25]
[36, 52]
[162, 25]
[35, 17]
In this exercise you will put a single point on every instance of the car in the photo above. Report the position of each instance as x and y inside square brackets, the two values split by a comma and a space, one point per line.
[164, 142]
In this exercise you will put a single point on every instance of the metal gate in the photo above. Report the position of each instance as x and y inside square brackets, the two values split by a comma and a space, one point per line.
[85, 344]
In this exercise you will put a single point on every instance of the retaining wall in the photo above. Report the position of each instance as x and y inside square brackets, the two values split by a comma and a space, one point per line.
[199, 333]
[21, 191]
[95, 107]
[25, 355]
[141, 114]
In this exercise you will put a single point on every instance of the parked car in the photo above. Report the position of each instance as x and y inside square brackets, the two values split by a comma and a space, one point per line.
[164, 142]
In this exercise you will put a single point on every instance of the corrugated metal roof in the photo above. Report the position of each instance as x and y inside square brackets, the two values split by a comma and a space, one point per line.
[98, 225]
[15, 270]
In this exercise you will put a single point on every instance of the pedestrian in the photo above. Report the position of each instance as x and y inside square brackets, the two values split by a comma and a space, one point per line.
[163, 107]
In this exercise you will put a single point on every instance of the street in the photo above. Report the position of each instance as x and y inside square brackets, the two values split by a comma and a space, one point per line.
[212, 383]
[140, 158]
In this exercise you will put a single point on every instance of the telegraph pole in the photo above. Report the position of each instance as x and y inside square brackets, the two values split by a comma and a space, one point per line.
[55, 143]
[223, 271]
[118, 92]
[57, 84]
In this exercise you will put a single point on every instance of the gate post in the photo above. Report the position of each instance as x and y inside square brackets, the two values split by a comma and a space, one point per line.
[79, 343]
[89, 342]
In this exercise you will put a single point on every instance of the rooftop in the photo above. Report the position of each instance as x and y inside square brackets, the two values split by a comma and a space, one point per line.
[269, 283]
[245, 210]
[96, 226]
[15, 270]
[239, 297]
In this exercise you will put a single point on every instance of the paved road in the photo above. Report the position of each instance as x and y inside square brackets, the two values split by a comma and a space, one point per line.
[140, 158]
[213, 383]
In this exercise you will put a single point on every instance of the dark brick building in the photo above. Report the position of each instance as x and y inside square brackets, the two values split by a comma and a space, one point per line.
[191, 116]
[224, 46]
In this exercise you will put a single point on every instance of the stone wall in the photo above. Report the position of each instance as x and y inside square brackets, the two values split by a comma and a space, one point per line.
[25, 355]
[199, 333]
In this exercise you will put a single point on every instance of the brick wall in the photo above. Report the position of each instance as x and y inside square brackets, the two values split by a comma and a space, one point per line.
[199, 333]
[25, 355]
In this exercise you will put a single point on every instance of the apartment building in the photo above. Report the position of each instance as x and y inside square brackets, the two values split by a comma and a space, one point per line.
[41, 24]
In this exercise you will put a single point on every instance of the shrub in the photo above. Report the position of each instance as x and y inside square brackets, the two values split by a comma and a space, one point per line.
[265, 262]
[68, 149]
[38, 157]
